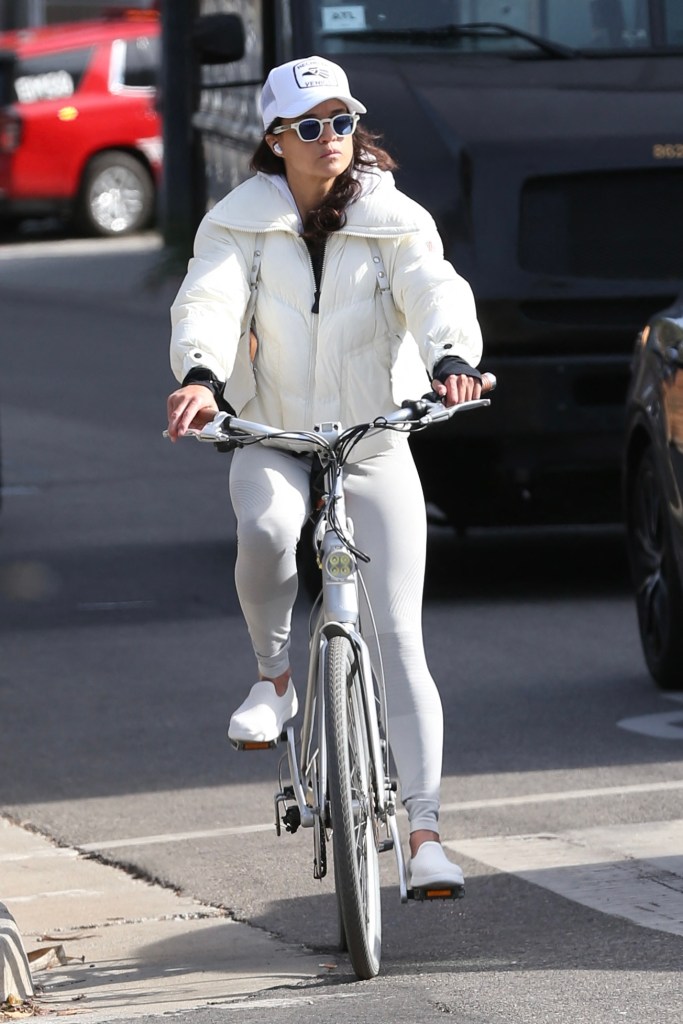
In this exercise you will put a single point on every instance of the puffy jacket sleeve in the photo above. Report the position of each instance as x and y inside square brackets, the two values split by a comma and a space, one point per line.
[437, 304]
[207, 313]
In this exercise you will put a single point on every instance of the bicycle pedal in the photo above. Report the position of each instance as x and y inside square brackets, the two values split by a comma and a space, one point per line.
[254, 745]
[291, 819]
[385, 845]
[437, 892]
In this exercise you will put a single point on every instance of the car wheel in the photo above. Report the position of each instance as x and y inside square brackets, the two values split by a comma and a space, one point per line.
[659, 596]
[117, 195]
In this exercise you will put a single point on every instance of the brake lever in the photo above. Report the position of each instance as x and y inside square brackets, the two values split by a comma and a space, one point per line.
[214, 431]
[421, 405]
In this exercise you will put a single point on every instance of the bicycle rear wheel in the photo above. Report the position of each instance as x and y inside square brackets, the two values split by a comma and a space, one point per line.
[352, 810]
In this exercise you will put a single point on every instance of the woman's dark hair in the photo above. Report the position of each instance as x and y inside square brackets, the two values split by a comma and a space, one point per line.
[330, 215]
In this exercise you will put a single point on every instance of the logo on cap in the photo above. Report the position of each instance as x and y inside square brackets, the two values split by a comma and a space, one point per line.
[310, 75]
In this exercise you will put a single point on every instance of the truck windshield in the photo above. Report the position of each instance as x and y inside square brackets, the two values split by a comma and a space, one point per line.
[542, 28]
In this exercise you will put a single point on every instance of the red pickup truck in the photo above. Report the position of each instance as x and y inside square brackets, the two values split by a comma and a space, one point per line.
[80, 135]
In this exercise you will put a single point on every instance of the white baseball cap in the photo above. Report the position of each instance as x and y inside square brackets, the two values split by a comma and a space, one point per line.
[293, 88]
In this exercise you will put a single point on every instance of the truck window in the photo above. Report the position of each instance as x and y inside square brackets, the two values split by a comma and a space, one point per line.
[52, 76]
[674, 22]
[141, 62]
[478, 25]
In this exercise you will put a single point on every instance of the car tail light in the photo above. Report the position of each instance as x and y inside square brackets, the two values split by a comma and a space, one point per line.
[10, 133]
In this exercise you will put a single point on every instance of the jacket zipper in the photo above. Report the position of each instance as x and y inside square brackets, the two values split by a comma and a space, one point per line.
[314, 334]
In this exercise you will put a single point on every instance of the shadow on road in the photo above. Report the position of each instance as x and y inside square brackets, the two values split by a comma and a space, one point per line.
[458, 938]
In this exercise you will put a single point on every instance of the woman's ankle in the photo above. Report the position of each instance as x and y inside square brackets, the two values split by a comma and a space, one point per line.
[281, 682]
[420, 836]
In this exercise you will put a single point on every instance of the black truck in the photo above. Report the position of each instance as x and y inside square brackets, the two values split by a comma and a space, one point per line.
[546, 138]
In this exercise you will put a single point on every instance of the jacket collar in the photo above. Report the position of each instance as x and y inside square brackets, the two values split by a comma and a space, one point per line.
[265, 203]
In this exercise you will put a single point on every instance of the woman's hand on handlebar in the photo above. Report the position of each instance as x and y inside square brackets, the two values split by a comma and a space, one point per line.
[458, 388]
[191, 407]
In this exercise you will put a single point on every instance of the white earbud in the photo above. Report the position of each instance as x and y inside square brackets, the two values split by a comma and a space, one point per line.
[277, 148]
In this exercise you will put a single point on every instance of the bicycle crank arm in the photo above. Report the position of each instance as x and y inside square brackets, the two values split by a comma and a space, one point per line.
[398, 852]
[295, 792]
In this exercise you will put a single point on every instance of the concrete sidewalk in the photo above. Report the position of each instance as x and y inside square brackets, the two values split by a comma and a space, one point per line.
[131, 948]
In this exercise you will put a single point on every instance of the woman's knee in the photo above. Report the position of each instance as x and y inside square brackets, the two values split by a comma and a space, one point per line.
[269, 532]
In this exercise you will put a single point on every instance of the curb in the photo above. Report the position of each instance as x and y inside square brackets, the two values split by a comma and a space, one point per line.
[15, 972]
[122, 947]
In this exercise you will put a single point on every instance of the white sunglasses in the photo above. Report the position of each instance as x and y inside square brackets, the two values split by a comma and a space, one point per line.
[311, 128]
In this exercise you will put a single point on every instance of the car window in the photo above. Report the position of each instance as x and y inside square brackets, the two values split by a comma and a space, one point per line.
[50, 76]
[7, 62]
[141, 62]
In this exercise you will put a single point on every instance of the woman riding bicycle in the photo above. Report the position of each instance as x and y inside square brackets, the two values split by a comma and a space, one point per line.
[323, 213]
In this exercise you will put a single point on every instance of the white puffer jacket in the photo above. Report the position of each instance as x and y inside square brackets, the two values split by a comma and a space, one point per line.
[345, 363]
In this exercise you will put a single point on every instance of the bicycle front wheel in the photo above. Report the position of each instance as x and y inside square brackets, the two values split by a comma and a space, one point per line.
[352, 810]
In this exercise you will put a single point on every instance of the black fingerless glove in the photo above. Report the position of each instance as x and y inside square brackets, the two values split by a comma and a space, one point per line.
[208, 379]
[450, 365]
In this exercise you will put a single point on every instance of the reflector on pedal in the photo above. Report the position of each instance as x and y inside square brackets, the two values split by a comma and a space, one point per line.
[252, 745]
[455, 892]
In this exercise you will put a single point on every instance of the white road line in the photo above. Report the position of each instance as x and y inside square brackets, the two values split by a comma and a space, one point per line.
[175, 837]
[79, 894]
[50, 852]
[114, 606]
[284, 1003]
[19, 490]
[628, 871]
[569, 794]
[667, 725]
[506, 801]
[60, 247]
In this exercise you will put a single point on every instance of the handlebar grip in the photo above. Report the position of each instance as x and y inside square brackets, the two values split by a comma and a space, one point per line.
[488, 382]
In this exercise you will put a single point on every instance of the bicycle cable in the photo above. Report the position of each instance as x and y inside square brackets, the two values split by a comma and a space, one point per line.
[384, 711]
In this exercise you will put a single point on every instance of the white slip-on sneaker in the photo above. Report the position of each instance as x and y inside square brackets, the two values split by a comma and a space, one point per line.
[430, 868]
[262, 716]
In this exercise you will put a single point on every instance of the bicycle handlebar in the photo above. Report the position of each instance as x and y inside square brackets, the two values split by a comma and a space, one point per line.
[416, 413]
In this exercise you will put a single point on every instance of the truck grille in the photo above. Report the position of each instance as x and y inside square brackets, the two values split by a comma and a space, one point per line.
[608, 224]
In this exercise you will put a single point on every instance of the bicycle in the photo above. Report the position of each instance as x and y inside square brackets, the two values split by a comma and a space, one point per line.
[339, 774]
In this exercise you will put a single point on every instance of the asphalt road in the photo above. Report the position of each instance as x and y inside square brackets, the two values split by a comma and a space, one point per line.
[122, 652]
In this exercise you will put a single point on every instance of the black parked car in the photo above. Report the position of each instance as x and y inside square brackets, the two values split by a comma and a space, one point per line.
[653, 490]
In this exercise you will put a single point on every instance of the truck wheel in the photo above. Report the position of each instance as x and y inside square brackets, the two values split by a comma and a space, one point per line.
[117, 195]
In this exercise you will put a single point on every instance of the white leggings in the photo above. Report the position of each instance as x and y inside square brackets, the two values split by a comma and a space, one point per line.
[269, 489]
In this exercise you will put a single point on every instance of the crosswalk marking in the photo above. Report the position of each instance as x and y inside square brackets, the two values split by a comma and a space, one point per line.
[628, 871]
